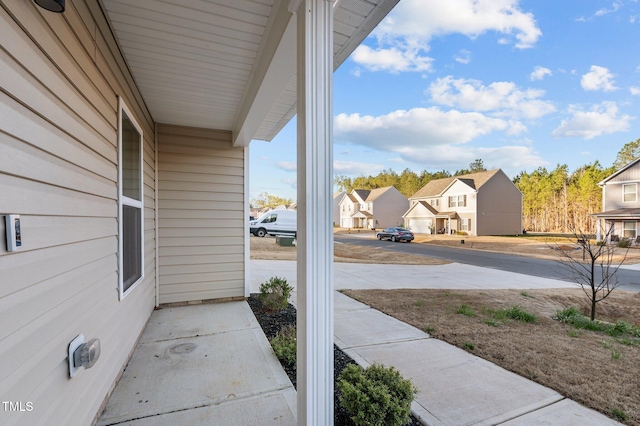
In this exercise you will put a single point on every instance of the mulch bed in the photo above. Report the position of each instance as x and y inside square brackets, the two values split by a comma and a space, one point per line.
[272, 322]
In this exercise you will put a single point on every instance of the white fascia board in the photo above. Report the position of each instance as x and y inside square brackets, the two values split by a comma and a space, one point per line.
[281, 69]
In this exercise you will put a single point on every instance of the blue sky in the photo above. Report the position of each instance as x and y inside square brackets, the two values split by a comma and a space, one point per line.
[519, 84]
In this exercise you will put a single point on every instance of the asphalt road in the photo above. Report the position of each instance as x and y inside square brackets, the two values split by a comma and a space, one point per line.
[628, 279]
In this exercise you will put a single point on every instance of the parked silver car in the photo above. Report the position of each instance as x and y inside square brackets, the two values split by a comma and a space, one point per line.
[396, 234]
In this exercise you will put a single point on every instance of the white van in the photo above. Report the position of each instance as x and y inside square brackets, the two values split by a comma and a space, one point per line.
[275, 222]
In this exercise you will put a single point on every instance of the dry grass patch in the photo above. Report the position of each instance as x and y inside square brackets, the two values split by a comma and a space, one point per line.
[266, 248]
[593, 368]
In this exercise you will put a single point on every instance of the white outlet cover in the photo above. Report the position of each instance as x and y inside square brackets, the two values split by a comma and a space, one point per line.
[75, 344]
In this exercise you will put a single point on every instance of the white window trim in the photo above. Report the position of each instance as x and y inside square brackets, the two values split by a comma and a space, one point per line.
[635, 229]
[635, 191]
[122, 200]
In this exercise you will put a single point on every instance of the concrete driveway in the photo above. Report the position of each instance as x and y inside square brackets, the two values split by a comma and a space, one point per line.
[362, 276]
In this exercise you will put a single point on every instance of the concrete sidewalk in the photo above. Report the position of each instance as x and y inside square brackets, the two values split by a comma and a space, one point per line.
[455, 387]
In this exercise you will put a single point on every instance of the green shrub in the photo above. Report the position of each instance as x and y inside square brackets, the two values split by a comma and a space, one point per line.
[275, 294]
[624, 243]
[468, 345]
[377, 396]
[567, 315]
[465, 310]
[519, 314]
[492, 322]
[574, 317]
[619, 414]
[284, 344]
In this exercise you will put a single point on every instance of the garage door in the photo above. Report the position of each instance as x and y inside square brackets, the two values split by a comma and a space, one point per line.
[420, 226]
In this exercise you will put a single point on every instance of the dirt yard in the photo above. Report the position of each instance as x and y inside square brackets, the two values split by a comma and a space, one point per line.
[592, 368]
[266, 248]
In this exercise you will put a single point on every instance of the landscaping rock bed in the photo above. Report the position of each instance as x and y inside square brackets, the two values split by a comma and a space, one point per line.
[272, 322]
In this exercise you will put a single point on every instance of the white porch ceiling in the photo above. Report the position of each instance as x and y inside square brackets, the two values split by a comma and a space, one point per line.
[209, 63]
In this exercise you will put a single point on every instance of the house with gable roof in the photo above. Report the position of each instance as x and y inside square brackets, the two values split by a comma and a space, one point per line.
[620, 216]
[373, 209]
[483, 203]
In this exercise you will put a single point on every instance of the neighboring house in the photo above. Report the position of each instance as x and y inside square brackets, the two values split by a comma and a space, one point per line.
[337, 199]
[620, 216]
[374, 209]
[124, 133]
[483, 203]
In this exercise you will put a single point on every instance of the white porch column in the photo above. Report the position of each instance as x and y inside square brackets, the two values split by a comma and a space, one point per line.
[315, 211]
[598, 229]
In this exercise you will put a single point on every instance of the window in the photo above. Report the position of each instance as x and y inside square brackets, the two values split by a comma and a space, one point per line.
[630, 192]
[465, 224]
[458, 201]
[271, 218]
[629, 230]
[130, 195]
[434, 203]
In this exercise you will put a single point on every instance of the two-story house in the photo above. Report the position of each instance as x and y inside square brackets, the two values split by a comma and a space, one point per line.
[620, 216]
[483, 203]
[377, 208]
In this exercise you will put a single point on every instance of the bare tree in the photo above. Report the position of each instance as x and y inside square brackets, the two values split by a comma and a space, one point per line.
[593, 267]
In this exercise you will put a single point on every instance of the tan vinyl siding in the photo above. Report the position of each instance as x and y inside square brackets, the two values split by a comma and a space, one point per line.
[60, 78]
[201, 215]
[388, 209]
[499, 207]
[614, 196]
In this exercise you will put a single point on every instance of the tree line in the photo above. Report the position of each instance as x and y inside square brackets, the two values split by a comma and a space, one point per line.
[556, 200]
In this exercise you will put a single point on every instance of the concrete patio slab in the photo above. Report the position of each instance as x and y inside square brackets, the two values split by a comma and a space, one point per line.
[566, 413]
[264, 410]
[455, 387]
[198, 320]
[200, 362]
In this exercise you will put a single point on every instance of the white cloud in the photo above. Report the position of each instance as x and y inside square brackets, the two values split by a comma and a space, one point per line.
[422, 128]
[464, 57]
[393, 60]
[598, 78]
[511, 158]
[345, 152]
[356, 168]
[600, 119]
[287, 166]
[396, 160]
[539, 73]
[503, 99]
[634, 90]
[614, 7]
[425, 19]
[403, 37]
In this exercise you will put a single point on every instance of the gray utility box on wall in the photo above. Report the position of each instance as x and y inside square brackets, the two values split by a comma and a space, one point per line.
[284, 241]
